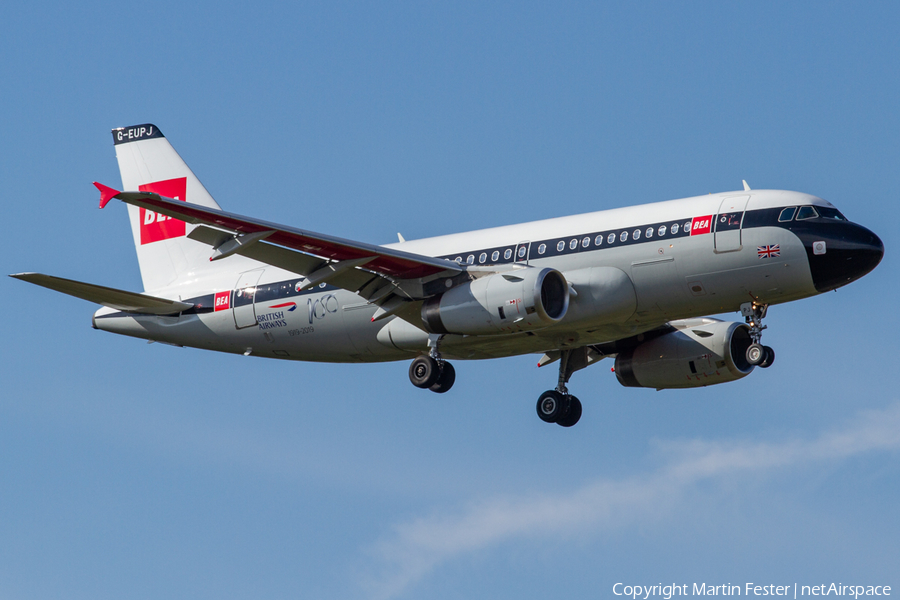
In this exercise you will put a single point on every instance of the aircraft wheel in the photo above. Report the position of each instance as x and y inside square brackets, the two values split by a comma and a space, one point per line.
[769, 359]
[445, 379]
[424, 372]
[756, 354]
[572, 415]
[551, 405]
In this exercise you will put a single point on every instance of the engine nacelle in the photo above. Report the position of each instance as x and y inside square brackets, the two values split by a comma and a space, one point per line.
[701, 352]
[519, 300]
[605, 295]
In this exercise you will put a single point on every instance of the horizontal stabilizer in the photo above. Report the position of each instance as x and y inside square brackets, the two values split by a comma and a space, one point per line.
[113, 298]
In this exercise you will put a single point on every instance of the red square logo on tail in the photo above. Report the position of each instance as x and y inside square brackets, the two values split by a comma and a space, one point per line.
[701, 225]
[154, 226]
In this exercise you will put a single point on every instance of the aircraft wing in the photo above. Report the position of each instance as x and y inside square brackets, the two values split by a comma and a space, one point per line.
[388, 262]
[113, 298]
[387, 277]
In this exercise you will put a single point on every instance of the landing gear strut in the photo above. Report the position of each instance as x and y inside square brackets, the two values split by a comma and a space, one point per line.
[559, 406]
[757, 354]
[432, 371]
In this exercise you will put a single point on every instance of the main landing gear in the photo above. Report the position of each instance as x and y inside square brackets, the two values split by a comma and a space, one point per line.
[432, 372]
[757, 354]
[559, 406]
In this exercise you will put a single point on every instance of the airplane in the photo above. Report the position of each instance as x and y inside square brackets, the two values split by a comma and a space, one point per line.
[633, 284]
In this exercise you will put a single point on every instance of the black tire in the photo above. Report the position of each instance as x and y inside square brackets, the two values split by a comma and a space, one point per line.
[445, 379]
[572, 415]
[551, 405]
[769, 360]
[423, 372]
[756, 354]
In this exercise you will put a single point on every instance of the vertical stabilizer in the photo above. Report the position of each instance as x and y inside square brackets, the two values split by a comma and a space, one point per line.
[149, 163]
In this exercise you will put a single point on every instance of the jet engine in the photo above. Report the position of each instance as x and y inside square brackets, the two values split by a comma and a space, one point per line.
[700, 352]
[519, 300]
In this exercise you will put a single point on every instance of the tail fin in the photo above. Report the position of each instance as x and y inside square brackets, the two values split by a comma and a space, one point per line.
[149, 163]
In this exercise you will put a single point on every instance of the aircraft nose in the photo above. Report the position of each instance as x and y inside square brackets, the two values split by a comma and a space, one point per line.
[842, 253]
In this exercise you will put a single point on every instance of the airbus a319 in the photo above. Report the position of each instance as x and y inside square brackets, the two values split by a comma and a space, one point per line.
[631, 284]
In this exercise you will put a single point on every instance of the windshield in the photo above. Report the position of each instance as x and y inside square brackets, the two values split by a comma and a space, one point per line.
[806, 212]
[830, 213]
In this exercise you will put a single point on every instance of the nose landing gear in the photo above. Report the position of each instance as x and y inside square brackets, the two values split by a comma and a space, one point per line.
[757, 354]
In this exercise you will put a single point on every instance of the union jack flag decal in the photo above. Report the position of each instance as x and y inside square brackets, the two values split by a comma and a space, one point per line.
[773, 251]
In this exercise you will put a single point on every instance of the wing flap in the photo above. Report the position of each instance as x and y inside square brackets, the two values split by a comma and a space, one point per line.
[111, 297]
[284, 258]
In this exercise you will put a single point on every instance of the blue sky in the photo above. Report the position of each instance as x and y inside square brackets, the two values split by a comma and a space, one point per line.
[143, 471]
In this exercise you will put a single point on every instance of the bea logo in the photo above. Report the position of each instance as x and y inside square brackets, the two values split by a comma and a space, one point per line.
[701, 225]
[222, 301]
[156, 227]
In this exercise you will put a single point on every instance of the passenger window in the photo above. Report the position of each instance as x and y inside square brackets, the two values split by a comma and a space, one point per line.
[623, 236]
[649, 232]
[636, 234]
[787, 214]
[598, 240]
[507, 254]
[674, 228]
[470, 259]
[662, 230]
[522, 250]
[806, 212]
[586, 242]
[495, 256]
[573, 244]
[483, 257]
[560, 246]
[542, 248]
[610, 238]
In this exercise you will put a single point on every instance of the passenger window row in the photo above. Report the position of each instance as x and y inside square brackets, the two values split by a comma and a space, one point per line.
[576, 243]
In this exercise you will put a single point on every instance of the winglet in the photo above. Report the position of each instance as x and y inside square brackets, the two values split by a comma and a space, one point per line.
[106, 193]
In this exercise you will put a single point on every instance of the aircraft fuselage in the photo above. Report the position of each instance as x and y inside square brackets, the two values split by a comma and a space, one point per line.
[644, 266]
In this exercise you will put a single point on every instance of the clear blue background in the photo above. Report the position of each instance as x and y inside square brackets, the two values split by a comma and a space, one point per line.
[130, 470]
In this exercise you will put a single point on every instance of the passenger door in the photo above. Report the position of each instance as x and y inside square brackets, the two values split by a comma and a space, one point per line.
[245, 299]
[728, 223]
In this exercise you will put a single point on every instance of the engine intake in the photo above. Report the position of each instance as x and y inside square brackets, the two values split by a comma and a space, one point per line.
[701, 352]
[520, 300]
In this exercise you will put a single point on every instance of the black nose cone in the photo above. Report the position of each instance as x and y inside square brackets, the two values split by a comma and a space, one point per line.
[840, 253]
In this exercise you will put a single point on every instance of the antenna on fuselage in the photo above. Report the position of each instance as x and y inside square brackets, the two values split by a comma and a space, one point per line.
[746, 187]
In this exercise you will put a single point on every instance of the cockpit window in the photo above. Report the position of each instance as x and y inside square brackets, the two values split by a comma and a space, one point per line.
[831, 213]
[787, 214]
[806, 212]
